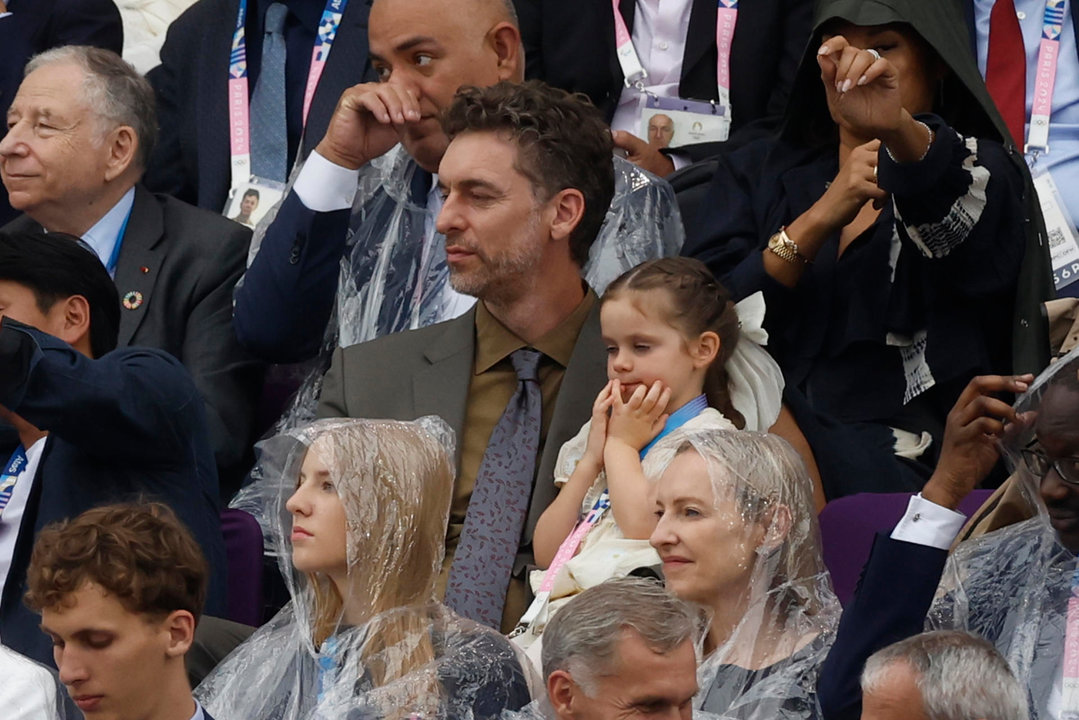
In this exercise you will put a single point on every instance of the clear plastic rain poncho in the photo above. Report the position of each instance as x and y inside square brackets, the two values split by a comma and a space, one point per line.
[739, 506]
[382, 646]
[1012, 585]
[391, 280]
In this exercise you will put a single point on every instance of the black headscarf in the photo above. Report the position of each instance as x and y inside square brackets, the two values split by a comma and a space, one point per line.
[962, 101]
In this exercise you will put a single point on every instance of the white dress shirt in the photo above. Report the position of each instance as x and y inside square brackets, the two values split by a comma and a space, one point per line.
[16, 507]
[1063, 156]
[659, 37]
[324, 186]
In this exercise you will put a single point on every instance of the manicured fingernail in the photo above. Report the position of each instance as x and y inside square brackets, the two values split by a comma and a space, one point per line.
[823, 50]
[862, 80]
[847, 85]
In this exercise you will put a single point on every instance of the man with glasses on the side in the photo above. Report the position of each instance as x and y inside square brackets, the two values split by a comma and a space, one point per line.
[1013, 586]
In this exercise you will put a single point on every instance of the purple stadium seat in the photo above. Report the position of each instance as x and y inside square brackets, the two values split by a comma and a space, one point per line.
[848, 525]
[243, 548]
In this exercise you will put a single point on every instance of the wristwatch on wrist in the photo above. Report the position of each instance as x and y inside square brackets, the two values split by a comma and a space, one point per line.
[785, 249]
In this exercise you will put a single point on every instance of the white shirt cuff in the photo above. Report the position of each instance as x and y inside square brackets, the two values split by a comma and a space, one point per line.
[927, 523]
[324, 186]
[4, 15]
[680, 161]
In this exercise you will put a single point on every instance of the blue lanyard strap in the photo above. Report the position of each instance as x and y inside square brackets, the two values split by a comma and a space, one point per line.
[115, 256]
[677, 419]
[14, 466]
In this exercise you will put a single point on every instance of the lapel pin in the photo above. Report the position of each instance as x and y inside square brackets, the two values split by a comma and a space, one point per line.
[132, 299]
[144, 269]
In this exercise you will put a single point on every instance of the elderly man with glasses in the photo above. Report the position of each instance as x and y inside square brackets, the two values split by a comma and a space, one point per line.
[1013, 586]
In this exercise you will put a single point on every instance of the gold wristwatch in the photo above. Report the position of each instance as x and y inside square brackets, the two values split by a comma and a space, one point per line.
[785, 248]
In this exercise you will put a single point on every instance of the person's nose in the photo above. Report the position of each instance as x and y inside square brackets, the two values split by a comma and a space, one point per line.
[621, 361]
[664, 534]
[11, 143]
[72, 669]
[297, 504]
[1053, 487]
[450, 218]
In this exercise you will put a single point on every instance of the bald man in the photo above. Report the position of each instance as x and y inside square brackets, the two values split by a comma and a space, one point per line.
[377, 158]
[660, 130]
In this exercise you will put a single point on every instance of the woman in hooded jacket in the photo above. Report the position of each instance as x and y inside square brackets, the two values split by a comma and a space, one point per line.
[887, 226]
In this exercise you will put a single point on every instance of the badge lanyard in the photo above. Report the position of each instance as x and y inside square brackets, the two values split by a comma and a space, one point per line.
[110, 266]
[569, 546]
[239, 119]
[635, 74]
[14, 466]
[1044, 79]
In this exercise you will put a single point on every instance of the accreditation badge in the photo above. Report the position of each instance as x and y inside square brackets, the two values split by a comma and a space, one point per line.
[685, 122]
[248, 202]
[1063, 241]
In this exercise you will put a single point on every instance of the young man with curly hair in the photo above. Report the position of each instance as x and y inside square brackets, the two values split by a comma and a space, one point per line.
[120, 590]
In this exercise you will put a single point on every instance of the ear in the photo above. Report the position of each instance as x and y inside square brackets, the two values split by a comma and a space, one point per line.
[180, 626]
[568, 209]
[779, 525]
[705, 349]
[73, 325]
[123, 146]
[505, 40]
[560, 691]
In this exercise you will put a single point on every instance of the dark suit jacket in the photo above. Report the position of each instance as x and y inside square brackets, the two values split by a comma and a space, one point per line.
[191, 159]
[427, 371]
[185, 262]
[38, 25]
[128, 425]
[893, 597]
[570, 44]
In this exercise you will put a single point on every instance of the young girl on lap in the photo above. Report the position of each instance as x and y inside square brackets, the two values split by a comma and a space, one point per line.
[676, 356]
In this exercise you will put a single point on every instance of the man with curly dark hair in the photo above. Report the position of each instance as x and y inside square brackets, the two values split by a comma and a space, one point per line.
[526, 180]
[120, 589]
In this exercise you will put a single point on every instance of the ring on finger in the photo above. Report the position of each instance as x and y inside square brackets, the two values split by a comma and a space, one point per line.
[874, 53]
[875, 175]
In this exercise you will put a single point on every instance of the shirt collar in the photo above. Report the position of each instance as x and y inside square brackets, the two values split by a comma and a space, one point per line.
[495, 342]
[105, 233]
[199, 714]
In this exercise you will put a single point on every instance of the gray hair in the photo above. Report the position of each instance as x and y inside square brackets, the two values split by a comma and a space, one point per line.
[113, 89]
[583, 637]
[959, 675]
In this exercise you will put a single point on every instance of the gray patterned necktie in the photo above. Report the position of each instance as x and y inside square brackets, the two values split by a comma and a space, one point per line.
[269, 121]
[480, 574]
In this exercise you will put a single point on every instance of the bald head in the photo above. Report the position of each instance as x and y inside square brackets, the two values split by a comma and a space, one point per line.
[493, 11]
[430, 48]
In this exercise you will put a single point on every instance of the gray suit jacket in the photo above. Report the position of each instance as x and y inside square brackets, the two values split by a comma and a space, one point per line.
[185, 263]
[427, 371]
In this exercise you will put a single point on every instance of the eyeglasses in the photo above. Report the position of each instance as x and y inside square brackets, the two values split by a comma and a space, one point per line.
[1039, 464]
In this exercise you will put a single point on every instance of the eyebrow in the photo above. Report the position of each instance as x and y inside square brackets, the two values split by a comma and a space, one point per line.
[471, 184]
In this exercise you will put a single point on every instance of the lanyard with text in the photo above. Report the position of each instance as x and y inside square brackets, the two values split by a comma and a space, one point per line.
[569, 546]
[1045, 78]
[239, 120]
[635, 74]
[14, 466]
[1070, 687]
